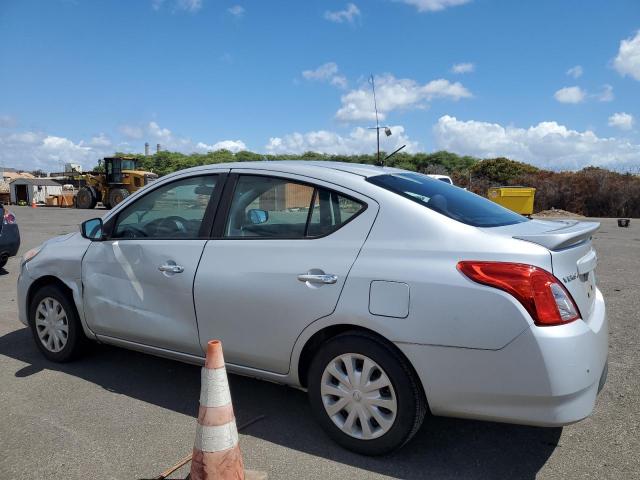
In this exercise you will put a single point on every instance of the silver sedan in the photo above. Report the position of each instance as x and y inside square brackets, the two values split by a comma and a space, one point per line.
[386, 294]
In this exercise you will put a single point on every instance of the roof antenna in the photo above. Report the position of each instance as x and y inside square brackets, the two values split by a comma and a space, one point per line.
[387, 130]
[392, 154]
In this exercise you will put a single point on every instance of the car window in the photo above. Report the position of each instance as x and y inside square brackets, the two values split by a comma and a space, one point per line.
[330, 211]
[269, 207]
[448, 200]
[175, 210]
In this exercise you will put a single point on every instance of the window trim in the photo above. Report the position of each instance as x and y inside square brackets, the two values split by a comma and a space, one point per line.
[207, 219]
[224, 207]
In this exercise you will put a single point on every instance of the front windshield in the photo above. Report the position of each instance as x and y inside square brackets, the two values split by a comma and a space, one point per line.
[448, 200]
[128, 164]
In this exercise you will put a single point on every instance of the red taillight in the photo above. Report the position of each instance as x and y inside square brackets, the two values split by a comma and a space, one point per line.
[8, 217]
[542, 294]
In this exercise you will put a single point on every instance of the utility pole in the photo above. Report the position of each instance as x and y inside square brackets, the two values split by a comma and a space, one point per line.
[387, 130]
[375, 106]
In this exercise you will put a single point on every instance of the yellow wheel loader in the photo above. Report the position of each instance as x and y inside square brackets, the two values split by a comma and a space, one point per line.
[120, 178]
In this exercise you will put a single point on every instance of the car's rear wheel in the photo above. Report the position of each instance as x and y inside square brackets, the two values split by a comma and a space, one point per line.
[55, 325]
[364, 394]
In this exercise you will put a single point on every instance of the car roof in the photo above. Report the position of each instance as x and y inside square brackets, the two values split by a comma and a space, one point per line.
[308, 166]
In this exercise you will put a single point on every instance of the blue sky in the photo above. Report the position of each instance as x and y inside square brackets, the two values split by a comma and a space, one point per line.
[554, 83]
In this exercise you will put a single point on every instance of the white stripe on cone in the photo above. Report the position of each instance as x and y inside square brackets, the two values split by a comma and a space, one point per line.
[216, 439]
[215, 388]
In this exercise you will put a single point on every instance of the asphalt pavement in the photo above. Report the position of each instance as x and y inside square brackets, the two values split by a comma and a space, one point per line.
[117, 414]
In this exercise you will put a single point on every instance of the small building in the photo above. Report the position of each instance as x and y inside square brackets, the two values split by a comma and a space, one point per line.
[72, 168]
[30, 189]
[10, 174]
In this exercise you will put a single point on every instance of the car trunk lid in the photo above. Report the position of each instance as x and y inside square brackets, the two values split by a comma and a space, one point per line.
[573, 257]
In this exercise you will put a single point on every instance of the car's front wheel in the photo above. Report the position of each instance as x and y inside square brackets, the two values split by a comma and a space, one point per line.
[55, 324]
[364, 394]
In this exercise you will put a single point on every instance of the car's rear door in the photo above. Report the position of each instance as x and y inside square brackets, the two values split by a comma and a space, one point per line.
[283, 247]
[138, 282]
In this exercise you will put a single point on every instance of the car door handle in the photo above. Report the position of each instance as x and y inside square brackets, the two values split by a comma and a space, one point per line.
[168, 268]
[327, 278]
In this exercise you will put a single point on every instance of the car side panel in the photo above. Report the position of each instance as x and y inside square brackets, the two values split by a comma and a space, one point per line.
[411, 244]
[247, 291]
[60, 257]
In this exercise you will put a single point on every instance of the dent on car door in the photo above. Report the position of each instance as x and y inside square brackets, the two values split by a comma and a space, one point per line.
[278, 262]
[138, 284]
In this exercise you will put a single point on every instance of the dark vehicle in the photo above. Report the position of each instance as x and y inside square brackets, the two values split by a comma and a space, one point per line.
[9, 236]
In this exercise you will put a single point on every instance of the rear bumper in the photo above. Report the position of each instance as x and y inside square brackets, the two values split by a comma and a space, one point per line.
[9, 240]
[547, 376]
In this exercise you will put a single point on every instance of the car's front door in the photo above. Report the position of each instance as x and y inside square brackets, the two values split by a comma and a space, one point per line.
[279, 261]
[138, 282]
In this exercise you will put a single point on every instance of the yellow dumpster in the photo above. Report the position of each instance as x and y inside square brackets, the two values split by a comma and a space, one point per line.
[518, 199]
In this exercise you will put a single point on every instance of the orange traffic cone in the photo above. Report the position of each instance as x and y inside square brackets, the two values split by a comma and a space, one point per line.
[33, 203]
[216, 453]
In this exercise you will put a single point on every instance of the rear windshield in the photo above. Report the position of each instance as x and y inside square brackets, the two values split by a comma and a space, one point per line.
[448, 200]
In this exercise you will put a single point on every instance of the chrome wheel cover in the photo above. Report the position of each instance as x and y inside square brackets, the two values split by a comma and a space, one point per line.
[52, 324]
[358, 396]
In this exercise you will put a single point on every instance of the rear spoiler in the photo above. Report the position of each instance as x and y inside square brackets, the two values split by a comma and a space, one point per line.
[568, 234]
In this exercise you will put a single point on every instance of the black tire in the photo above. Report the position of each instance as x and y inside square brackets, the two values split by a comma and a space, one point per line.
[86, 198]
[117, 195]
[3, 260]
[411, 402]
[76, 340]
[96, 193]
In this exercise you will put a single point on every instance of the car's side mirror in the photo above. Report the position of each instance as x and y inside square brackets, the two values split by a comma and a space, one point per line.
[257, 216]
[92, 229]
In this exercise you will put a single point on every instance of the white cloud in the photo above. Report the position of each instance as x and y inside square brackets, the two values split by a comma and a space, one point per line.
[231, 145]
[396, 94]
[570, 95]
[606, 95]
[627, 62]
[159, 133]
[24, 137]
[349, 14]
[622, 120]
[37, 150]
[191, 6]
[433, 5]
[174, 142]
[575, 72]
[327, 72]
[131, 131]
[237, 11]
[339, 81]
[7, 121]
[463, 68]
[358, 141]
[547, 144]
[100, 140]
